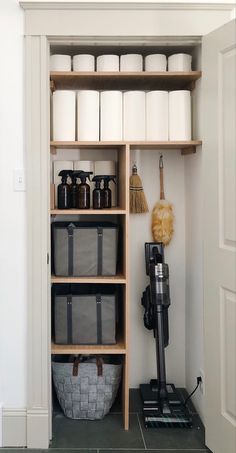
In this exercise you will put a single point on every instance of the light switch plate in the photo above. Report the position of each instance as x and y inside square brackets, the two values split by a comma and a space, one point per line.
[19, 180]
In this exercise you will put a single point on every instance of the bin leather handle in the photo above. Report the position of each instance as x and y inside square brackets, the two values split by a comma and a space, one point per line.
[99, 363]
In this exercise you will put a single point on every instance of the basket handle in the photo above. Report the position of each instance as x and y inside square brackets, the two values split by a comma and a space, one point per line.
[99, 363]
[76, 365]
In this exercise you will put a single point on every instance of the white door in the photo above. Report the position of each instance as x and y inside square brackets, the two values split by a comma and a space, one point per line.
[219, 151]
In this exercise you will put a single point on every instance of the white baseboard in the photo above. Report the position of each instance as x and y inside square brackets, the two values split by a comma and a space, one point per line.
[37, 428]
[14, 428]
[22, 428]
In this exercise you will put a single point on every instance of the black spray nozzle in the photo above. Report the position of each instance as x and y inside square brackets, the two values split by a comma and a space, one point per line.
[75, 175]
[97, 179]
[83, 175]
[107, 179]
[65, 174]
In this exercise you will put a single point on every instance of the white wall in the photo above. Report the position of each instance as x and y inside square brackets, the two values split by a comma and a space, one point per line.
[12, 207]
[143, 359]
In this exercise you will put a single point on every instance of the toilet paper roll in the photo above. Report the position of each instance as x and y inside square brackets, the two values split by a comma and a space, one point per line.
[180, 62]
[157, 115]
[84, 62]
[63, 115]
[60, 62]
[179, 115]
[131, 63]
[109, 63]
[111, 115]
[155, 62]
[134, 115]
[88, 115]
[59, 165]
[107, 167]
[86, 165]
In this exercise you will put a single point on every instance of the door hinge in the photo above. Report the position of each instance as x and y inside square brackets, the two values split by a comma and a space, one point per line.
[47, 258]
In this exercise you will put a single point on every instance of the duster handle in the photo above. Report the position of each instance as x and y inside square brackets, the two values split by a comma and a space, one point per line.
[161, 166]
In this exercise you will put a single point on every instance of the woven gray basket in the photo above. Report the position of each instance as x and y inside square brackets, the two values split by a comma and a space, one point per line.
[89, 394]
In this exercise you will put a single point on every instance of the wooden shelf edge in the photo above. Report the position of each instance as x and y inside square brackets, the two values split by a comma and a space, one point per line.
[118, 348]
[101, 279]
[182, 144]
[111, 211]
[191, 75]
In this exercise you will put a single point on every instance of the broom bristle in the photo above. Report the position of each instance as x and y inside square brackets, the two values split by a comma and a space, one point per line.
[138, 202]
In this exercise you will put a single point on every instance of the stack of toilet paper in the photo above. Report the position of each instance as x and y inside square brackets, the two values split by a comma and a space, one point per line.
[123, 63]
[116, 116]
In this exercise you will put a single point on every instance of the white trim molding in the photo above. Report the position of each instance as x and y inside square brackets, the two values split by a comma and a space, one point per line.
[124, 5]
[14, 429]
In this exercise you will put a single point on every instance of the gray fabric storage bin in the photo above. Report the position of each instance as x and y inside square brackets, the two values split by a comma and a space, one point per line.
[86, 394]
[84, 249]
[84, 316]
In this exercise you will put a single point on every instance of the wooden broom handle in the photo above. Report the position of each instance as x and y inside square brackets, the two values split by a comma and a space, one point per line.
[162, 195]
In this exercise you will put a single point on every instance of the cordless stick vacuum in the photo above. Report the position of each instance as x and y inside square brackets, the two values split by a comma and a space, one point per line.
[162, 405]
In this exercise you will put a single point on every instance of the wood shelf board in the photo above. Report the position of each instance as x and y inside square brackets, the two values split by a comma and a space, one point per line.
[125, 80]
[186, 147]
[118, 348]
[165, 144]
[112, 211]
[87, 144]
[119, 278]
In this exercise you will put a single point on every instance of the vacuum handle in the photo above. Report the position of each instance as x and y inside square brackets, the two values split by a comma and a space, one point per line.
[161, 168]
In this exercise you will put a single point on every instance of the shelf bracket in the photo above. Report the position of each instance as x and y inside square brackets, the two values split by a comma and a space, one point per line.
[189, 150]
[52, 86]
[53, 149]
[191, 85]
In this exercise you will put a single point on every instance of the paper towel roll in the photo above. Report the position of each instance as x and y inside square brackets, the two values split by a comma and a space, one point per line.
[63, 115]
[59, 165]
[111, 115]
[134, 115]
[107, 167]
[84, 62]
[131, 62]
[88, 115]
[179, 115]
[86, 165]
[60, 63]
[109, 63]
[155, 62]
[157, 115]
[179, 62]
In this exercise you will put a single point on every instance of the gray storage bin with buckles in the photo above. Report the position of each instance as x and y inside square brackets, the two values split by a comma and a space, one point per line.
[84, 249]
[84, 314]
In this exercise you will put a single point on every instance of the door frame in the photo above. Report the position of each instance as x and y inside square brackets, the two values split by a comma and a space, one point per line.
[45, 24]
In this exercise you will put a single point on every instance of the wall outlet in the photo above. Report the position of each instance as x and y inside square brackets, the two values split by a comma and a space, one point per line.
[202, 384]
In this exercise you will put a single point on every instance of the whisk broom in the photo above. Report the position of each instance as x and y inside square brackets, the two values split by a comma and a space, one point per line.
[162, 214]
[138, 202]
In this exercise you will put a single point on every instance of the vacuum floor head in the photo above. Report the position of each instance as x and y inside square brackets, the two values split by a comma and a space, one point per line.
[155, 419]
[179, 416]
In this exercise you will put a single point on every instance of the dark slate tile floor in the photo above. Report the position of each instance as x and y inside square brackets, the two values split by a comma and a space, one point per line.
[108, 435]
